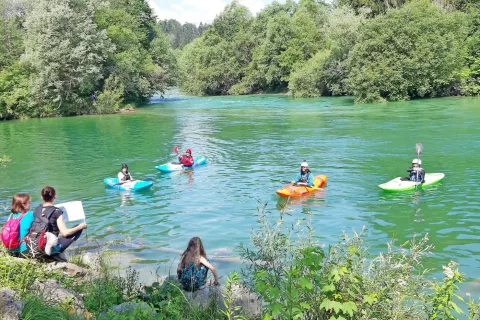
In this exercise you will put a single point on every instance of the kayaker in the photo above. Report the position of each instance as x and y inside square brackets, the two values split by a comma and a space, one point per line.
[186, 159]
[124, 176]
[193, 267]
[416, 171]
[304, 177]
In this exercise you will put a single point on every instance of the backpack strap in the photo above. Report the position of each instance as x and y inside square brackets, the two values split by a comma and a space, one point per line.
[48, 212]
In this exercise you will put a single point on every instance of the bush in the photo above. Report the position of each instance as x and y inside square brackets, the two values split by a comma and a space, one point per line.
[110, 100]
[415, 51]
[19, 274]
[298, 278]
[307, 81]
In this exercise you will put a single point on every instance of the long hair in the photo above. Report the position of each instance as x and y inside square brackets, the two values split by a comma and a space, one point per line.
[19, 203]
[48, 193]
[193, 252]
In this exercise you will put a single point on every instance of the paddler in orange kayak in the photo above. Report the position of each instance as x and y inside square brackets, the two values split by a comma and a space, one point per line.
[304, 177]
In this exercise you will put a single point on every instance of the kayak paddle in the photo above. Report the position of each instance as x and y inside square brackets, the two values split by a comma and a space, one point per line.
[175, 149]
[419, 149]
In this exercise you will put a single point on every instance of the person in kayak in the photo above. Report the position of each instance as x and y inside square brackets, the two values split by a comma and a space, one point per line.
[193, 267]
[416, 171]
[304, 177]
[124, 176]
[186, 159]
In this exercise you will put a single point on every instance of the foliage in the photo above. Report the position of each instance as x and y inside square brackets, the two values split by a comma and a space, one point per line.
[18, 274]
[181, 35]
[297, 278]
[231, 311]
[35, 309]
[215, 62]
[441, 301]
[67, 65]
[308, 81]
[343, 31]
[109, 290]
[15, 100]
[111, 98]
[415, 51]
[142, 59]
[11, 31]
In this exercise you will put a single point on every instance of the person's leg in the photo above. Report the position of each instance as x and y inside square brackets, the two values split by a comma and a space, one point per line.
[64, 243]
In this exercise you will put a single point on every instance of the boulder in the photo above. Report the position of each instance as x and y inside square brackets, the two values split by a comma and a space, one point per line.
[52, 293]
[10, 308]
[66, 268]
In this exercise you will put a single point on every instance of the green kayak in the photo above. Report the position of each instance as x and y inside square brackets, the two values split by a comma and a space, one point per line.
[401, 184]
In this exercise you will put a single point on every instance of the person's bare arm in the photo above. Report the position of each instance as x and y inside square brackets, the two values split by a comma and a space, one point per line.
[68, 232]
[212, 268]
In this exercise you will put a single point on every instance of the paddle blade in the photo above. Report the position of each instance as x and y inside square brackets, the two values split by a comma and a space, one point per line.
[419, 148]
[175, 149]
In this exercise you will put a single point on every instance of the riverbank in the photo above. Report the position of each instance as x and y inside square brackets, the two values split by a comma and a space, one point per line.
[286, 274]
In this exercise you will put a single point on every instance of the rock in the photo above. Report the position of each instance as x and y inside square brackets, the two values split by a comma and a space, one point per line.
[10, 308]
[52, 293]
[247, 300]
[68, 269]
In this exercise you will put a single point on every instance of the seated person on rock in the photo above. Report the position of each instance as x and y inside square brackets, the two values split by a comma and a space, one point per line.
[193, 267]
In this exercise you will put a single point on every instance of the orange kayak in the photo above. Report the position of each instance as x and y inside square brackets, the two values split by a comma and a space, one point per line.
[290, 190]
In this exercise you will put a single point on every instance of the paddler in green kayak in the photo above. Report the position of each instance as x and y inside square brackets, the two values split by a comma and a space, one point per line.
[416, 171]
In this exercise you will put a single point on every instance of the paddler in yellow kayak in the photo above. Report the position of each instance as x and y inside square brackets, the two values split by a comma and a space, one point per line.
[304, 177]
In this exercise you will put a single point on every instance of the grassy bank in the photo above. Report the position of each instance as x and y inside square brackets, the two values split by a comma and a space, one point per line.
[293, 275]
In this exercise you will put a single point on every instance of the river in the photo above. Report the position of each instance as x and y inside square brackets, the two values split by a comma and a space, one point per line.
[253, 145]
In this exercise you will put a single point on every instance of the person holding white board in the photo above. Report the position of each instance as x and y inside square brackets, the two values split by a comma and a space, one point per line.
[56, 226]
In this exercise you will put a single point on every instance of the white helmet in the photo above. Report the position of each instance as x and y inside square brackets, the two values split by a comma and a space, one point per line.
[304, 164]
[417, 161]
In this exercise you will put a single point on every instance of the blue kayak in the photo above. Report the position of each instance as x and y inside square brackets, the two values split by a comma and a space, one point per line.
[172, 166]
[134, 185]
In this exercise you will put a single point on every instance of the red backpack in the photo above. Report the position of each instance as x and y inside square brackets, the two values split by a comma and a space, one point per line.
[11, 233]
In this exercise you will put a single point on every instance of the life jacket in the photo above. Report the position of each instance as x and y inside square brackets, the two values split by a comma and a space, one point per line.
[126, 176]
[416, 176]
[304, 178]
[187, 161]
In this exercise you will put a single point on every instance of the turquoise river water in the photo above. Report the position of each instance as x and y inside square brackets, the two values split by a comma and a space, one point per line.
[253, 145]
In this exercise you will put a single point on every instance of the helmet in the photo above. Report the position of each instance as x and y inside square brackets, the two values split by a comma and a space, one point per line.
[417, 161]
[189, 151]
[124, 165]
[304, 164]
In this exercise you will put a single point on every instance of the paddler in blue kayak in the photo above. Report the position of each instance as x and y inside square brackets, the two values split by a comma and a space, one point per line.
[416, 171]
[304, 177]
[124, 176]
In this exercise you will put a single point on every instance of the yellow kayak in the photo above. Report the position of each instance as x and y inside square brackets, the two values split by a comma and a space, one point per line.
[292, 191]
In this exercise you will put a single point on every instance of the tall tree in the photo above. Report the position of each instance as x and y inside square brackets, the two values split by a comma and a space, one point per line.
[11, 31]
[67, 52]
[415, 51]
[213, 64]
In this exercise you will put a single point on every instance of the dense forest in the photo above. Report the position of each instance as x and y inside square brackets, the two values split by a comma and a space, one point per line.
[375, 50]
[70, 57]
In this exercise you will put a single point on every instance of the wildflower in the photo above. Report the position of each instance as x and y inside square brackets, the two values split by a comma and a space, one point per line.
[448, 272]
